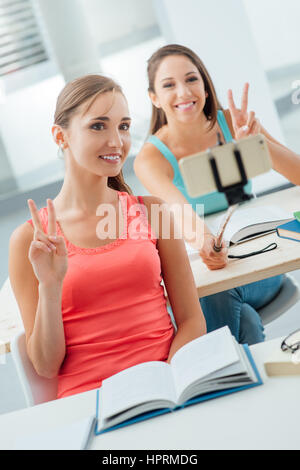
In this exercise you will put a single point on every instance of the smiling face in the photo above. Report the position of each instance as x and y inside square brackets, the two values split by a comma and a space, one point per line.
[97, 139]
[179, 89]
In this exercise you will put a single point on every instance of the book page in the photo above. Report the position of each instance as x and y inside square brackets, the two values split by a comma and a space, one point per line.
[142, 383]
[244, 217]
[203, 356]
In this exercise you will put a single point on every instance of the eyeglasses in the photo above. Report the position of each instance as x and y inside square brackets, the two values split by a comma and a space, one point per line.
[292, 342]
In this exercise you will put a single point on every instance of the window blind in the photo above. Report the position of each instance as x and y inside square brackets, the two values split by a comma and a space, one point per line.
[21, 44]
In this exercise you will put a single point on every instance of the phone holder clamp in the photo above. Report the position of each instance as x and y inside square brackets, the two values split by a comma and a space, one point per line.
[235, 193]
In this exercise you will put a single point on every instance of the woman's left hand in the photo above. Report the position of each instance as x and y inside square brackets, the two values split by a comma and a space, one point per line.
[244, 122]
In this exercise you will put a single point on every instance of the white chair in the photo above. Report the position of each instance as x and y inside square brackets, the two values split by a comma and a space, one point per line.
[10, 318]
[288, 296]
[36, 389]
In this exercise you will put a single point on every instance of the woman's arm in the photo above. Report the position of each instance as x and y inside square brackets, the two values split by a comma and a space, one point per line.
[156, 174]
[243, 123]
[178, 278]
[284, 161]
[39, 301]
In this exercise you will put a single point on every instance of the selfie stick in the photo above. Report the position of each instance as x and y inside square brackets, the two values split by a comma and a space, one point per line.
[234, 193]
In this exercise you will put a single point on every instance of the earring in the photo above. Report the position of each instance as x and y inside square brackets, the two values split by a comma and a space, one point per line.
[60, 152]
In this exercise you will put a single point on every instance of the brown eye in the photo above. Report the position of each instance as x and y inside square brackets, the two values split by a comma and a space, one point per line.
[97, 126]
[125, 127]
[192, 79]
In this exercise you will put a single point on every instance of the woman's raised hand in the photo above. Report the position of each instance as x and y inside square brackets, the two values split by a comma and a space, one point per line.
[244, 123]
[47, 253]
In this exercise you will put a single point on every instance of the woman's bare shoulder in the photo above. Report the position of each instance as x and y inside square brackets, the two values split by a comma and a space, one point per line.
[22, 235]
[149, 160]
[20, 269]
[149, 200]
[149, 149]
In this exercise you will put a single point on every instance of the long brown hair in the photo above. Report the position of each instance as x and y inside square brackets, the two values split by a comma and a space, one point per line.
[79, 91]
[212, 104]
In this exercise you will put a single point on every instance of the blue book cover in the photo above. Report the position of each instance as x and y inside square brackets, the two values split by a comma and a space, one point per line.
[290, 230]
[200, 398]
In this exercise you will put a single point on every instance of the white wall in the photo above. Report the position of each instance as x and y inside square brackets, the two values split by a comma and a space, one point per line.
[110, 20]
[276, 31]
[67, 33]
[129, 69]
[26, 118]
[220, 33]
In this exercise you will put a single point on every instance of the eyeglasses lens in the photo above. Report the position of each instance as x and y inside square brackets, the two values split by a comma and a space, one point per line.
[293, 341]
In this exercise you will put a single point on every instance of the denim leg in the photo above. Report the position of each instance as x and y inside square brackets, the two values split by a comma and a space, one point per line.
[237, 309]
[251, 327]
[260, 293]
[223, 309]
[256, 295]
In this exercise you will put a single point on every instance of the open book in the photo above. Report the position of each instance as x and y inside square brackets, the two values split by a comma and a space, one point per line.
[209, 366]
[251, 222]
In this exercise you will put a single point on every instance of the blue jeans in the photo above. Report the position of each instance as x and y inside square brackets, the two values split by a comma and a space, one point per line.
[237, 309]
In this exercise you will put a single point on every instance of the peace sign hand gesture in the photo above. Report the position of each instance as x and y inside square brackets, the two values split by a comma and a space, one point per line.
[47, 253]
[244, 123]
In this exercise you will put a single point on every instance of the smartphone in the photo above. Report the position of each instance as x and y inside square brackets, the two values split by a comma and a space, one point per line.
[197, 172]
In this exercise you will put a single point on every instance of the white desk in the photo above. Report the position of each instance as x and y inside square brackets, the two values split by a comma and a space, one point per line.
[265, 417]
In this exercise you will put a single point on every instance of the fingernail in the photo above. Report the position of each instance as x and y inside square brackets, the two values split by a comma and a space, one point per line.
[53, 237]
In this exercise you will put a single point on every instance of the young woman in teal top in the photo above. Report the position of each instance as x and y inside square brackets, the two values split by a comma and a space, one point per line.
[186, 117]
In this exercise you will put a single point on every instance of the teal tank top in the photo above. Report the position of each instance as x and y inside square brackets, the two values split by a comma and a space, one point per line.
[212, 202]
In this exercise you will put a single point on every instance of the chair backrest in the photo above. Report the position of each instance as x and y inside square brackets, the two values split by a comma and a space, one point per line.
[36, 389]
[10, 317]
[288, 296]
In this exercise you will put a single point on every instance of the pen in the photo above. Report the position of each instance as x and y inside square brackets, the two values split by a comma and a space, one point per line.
[218, 240]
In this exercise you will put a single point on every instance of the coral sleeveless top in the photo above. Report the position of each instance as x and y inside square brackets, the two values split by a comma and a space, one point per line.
[113, 305]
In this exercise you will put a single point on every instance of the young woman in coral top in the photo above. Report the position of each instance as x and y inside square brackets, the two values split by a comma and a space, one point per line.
[87, 269]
